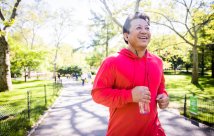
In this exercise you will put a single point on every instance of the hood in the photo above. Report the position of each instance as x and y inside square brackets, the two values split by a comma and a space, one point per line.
[131, 55]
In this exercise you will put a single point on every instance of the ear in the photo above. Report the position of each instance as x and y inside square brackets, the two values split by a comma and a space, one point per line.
[125, 36]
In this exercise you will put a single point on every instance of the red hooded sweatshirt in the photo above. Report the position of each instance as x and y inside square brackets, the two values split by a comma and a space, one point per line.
[112, 88]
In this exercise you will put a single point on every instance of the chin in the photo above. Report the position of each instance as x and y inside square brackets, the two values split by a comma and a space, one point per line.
[144, 45]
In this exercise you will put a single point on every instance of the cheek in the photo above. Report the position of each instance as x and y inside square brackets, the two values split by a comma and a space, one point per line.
[149, 34]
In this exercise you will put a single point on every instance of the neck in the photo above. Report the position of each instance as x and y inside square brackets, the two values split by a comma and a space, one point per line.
[139, 52]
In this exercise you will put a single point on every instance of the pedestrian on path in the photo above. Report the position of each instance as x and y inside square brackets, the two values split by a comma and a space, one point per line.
[83, 78]
[132, 83]
[59, 76]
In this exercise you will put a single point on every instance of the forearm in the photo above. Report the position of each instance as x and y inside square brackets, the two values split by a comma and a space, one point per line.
[113, 98]
[162, 89]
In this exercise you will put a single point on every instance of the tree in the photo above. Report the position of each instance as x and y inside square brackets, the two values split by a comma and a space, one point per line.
[104, 30]
[163, 16]
[189, 23]
[62, 24]
[112, 13]
[174, 52]
[206, 41]
[211, 48]
[29, 60]
[31, 18]
[7, 22]
[71, 70]
[95, 58]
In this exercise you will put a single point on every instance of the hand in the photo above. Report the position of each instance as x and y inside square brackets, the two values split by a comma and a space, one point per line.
[141, 94]
[163, 101]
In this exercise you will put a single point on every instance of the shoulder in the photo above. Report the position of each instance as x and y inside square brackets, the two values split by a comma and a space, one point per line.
[154, 57]
[112, 58]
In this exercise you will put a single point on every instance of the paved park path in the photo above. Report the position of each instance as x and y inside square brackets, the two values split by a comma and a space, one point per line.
[75, 114]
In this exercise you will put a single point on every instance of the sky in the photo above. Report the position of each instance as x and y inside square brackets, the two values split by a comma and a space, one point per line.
[81, 10]
[81, 13]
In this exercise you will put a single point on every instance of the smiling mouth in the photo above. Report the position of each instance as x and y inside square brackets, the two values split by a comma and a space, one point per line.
[143, 38]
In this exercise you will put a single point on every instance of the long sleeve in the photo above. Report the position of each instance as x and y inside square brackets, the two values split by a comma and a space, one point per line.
[103, 92]
[162, 88]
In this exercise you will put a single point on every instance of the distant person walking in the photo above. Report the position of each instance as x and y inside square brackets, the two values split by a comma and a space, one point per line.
[83, 78]
[59, 75]
[15, 76]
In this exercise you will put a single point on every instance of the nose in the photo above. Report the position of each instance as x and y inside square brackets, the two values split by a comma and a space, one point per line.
[143, 30]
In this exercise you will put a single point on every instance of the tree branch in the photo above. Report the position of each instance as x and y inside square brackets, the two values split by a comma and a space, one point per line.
[169, 46]
[170, 21]
[210, 18]
[109, 12]
[190, 4]
[136, 9]
[171, 28]
[186, 17]
[180, 2]
[1, 16]
[13, 15]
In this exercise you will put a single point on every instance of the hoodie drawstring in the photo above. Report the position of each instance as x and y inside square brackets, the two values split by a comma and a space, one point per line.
[134, 75]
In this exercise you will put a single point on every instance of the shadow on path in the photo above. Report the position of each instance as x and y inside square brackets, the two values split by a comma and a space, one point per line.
[74, 113]
[176, 125]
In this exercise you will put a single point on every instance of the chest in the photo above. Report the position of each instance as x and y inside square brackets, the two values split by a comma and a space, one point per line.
[138, 73]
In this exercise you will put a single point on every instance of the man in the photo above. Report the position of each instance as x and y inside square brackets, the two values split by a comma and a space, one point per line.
[133, 76]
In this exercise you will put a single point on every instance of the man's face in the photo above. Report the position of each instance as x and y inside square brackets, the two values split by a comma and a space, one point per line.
[139, 34]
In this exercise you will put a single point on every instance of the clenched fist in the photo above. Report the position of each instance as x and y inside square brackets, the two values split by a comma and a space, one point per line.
[163, 101]
[141, 94]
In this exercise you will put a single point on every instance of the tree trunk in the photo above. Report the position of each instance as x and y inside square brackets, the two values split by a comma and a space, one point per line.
[202, 61]
[107, 39]
[29, 73]
[137, 6]
[25, 75]
[195, 66]
[5, 76]
[174, 67]
[212, 65]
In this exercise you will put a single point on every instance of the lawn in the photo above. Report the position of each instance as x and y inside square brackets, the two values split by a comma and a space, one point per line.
[179, 85]
[15, 116]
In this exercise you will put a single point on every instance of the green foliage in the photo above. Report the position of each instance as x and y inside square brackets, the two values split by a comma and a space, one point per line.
[103, 31]
[95, 58]
[9, 23]
[171, 49]
[205, 33]
[2, 33]
[23, 59]
[72, 70]
[205, 38]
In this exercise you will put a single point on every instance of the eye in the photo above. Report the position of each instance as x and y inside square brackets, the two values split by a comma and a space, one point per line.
[138, 28]
[147, 28]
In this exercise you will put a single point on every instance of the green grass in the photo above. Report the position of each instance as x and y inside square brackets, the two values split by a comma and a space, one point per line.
[179, 85]
[13, 105]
